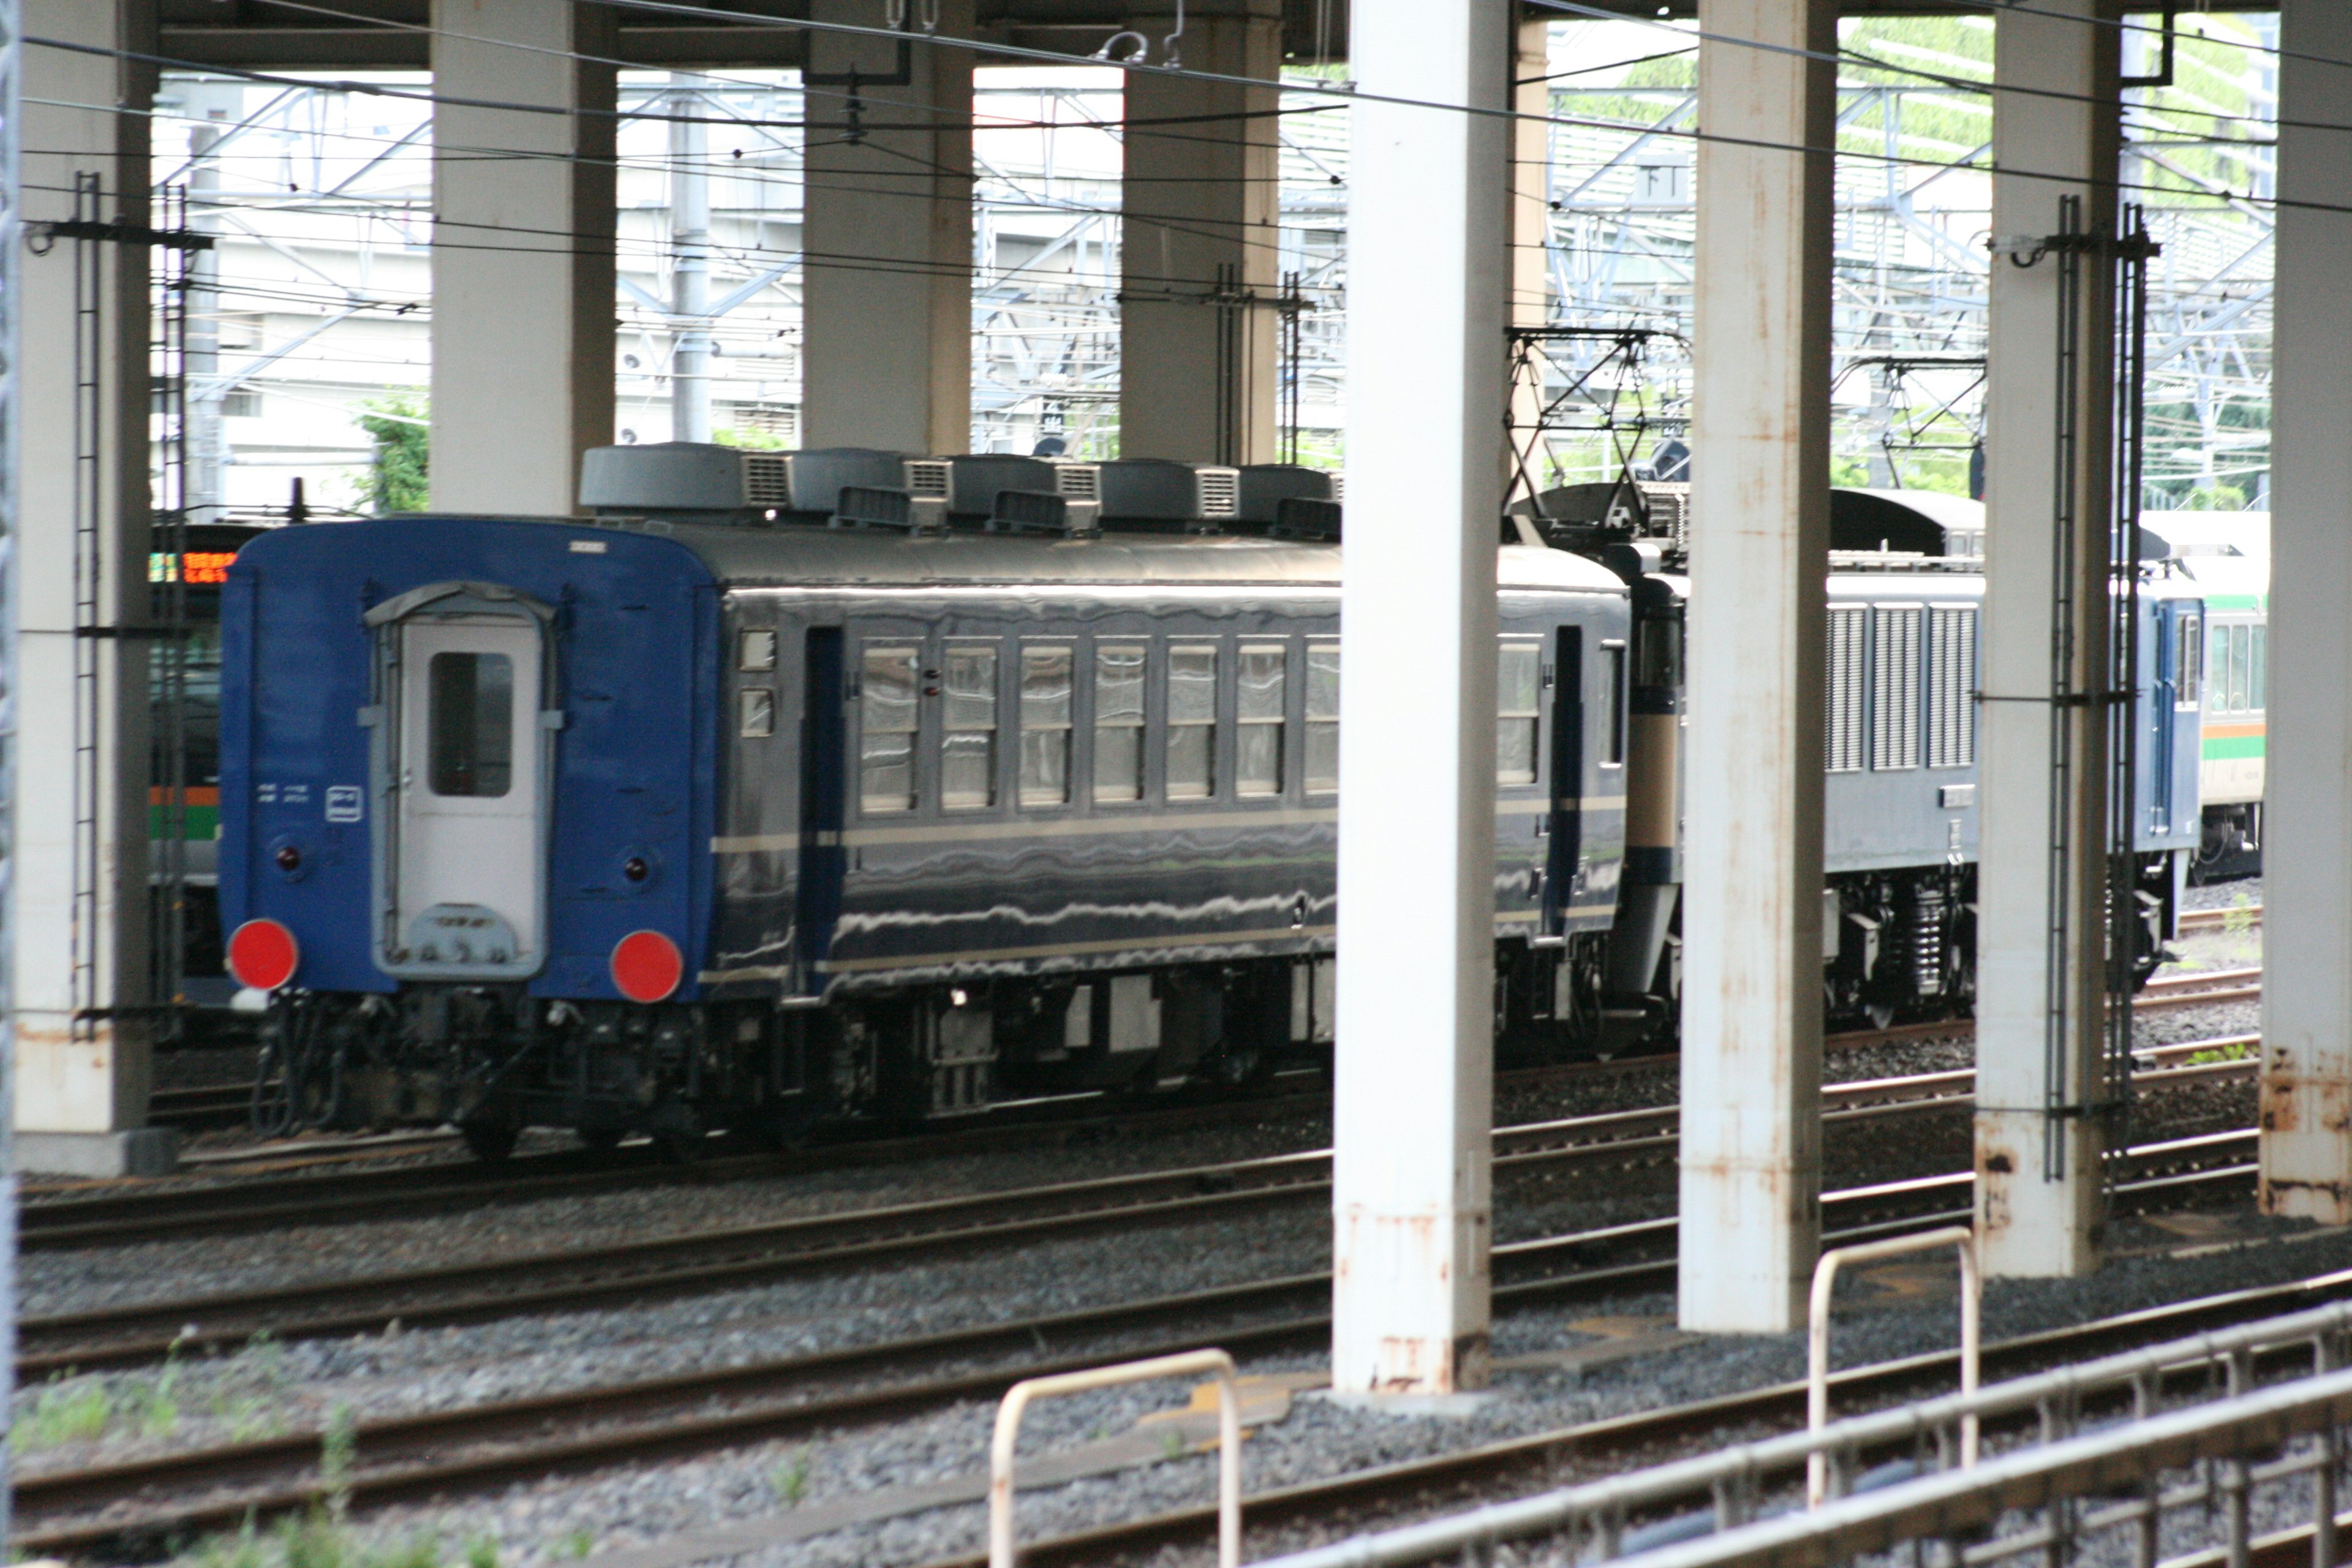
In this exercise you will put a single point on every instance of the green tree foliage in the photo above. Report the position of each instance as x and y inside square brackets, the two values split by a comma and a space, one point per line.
[396, 471]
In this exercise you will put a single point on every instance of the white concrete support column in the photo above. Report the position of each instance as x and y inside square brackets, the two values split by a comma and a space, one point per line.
[78, 917]
[1199, 245]
[522, 252]
[2039, 999]
[1414, 1106]
[1759, 541]
[2306, 1149]
[689, 238]
[886, 239]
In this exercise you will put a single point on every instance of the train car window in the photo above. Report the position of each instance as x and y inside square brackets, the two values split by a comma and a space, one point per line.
[1951, 686]
[1842, 748]
[2238, 646]
[469, 723]
[1895, 690]
[1192, 722]
[968, 728]
[2257, 676]
[1259, 701]
[1322, 716]
[756, 651]
[755, 712]
[1045, 725]
[2189, 678]
[1519, 710]
[1118, 721]
[1612, 663]
[886, 731]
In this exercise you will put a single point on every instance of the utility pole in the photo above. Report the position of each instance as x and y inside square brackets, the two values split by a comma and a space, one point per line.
[689, 238]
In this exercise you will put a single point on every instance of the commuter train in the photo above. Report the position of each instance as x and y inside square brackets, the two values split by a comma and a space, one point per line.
[836, 785]
[2226, 556]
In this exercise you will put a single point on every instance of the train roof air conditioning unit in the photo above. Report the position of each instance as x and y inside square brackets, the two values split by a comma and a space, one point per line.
[1262, 488]
[698, 481]
[1156, 493]
[969, 484]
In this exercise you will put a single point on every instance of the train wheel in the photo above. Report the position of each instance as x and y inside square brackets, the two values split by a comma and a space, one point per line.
[491, 1141]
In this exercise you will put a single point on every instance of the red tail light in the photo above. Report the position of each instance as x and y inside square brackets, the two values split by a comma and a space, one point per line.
[646, 966]
[263, 955]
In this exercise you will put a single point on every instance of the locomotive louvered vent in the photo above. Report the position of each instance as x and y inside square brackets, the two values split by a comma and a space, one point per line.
[861, 507]
[767, 480]
[1894, 688]
[1079, 482]
[928, 477]
[1260, 488]
[1668, 505]
[1221, 493]
[1031, 511]
[1842, 748]
[1951, 685]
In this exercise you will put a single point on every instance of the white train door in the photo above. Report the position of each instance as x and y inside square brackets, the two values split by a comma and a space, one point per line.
[464, 894]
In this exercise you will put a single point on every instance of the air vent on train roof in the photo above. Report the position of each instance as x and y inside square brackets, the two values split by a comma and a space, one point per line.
[1262, 488]
[702, 482]
[1156, 493]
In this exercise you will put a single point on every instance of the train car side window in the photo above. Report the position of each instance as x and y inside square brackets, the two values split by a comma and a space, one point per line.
[2257, 677]
[1612, 663]
[968, 728]
[2239, 644]
[1118, 721]
[756, 651]
[1045, 724]
[1191, 722]
[2189, 689]
[886, 731]
[1519, 710]
[1895, 690]
[1322, 716]
[469, 718]
[755, 712]
[1842, 748]
[1260, 700]
[1951, 683]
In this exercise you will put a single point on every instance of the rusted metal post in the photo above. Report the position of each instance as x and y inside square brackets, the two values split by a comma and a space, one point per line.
[1759, 539]
[2307, 1138]
[2042, 870]
[1413, 1109]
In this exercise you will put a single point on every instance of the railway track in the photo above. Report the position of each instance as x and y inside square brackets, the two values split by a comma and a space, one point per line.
[2245, 915]
[124, 1505]
[729, 1258]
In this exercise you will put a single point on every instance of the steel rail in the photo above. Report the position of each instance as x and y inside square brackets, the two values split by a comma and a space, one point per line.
[439, 1452]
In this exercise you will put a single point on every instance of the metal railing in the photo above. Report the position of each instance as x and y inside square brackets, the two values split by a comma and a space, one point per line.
[1739, 1505]
[1017, 1399]
[1817, 1337]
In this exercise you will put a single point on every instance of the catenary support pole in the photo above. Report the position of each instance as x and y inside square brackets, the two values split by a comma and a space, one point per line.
[2042, 868]
[522, 252]
[887, 236]
[1198, 241]
[1759, 537]
[78, 863]
[1530, 186]
[2307, 1139]
[12, 262]
[1414, 1105]
[690, 240]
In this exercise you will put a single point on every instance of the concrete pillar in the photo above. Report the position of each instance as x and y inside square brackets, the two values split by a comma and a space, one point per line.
[78, 879]
[690, 237]
[1414, 1106]
[2040, 997]
[522, 252]
[2307, 1139]
[1759, 537]
[887, 240]
[1199, 247]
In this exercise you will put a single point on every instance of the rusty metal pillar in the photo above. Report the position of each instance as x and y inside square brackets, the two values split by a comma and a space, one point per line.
[1414, 1106]
[2041, 1133]
[1759, 541]
[2307, 1139]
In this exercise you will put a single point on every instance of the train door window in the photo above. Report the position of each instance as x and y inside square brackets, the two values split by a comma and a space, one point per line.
[2257, 677]
[967, 727]
[1118, 721]
[755, 651]
[1322, 716]
[1612, 665]
[2190, 688]
[1951, 686]
[1894, 688]
[469, 720]
[1191, 722]
[1841, 747]
[886, 731]
[1518, 712]
[1045, 724]
[1260, 699]
[2239, 642]
[755, 712]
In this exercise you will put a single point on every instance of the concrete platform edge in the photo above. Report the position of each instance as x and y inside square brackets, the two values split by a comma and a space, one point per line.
[132, 1152]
